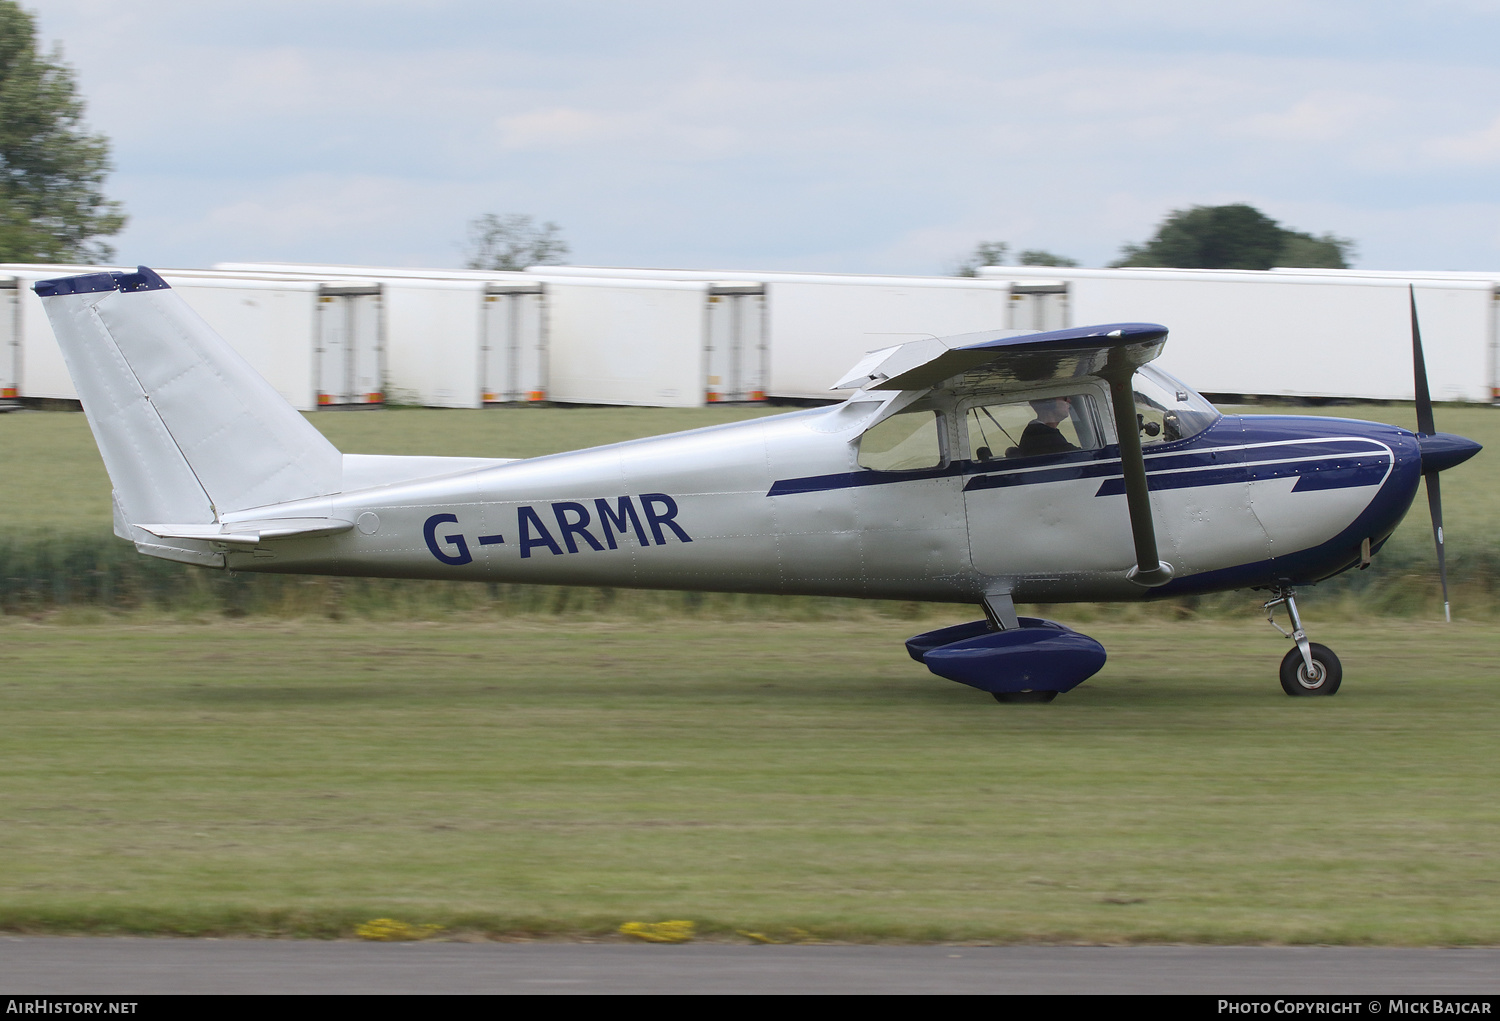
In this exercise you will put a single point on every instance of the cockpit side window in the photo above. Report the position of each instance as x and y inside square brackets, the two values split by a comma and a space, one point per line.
[904, 442]
[1032, 428]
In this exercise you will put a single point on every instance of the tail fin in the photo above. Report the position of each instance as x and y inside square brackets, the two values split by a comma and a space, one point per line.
[188, 430]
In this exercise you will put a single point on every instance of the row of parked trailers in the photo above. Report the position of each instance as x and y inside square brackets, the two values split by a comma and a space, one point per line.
[319, 343]
[350, 336]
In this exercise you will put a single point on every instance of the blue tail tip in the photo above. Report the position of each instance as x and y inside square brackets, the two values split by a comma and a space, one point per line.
[143, 279]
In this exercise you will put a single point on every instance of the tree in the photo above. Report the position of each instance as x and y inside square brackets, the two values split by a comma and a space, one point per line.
[51, 167]
[513, 241]
[1039, 257]
[986, 253]
[1326, 251]
[1236, 236]
[993, 253]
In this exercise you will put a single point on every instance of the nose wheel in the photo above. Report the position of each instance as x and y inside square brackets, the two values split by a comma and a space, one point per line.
[1322, 679]
[1310, 668]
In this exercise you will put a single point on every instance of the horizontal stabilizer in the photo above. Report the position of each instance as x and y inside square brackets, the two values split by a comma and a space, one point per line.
[253, 533]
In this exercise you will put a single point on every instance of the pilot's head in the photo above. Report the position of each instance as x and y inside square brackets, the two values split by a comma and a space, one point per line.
[1051, 411]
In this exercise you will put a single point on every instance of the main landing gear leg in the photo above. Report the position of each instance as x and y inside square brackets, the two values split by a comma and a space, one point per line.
[1001, 610]
[1310, 668]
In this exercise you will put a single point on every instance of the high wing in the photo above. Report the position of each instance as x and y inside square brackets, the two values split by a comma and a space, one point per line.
[1008, 360]
[1002, 360]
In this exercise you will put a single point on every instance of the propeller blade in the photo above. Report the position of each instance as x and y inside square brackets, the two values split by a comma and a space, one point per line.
[1419, 371]
[1426, 427]
[1435, 506]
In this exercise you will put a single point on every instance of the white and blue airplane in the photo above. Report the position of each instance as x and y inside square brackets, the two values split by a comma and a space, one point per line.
[990, 468]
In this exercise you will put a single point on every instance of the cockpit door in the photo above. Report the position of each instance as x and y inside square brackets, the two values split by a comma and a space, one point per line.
[1030, 497]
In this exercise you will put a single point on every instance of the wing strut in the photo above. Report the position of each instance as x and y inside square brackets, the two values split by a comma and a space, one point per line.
[1119, 373]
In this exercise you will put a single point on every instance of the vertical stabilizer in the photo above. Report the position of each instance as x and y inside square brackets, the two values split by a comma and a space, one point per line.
[188, 430]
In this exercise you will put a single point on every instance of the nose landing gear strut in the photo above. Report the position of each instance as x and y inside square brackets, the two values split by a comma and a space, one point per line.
[1310, 668]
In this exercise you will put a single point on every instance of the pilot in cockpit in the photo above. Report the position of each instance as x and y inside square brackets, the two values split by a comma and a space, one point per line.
[1042, 435]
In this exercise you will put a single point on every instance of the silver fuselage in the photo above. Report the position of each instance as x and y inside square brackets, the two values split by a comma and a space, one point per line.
[780, 504]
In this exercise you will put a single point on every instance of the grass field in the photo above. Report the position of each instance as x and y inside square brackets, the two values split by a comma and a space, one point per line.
[553, 778]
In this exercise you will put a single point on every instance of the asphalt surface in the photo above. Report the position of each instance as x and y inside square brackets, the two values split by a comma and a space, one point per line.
[125, 966]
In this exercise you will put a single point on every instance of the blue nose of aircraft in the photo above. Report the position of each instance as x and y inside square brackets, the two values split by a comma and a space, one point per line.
[1441, 451]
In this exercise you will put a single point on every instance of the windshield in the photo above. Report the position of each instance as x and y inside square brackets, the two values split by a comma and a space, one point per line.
[1169, 409]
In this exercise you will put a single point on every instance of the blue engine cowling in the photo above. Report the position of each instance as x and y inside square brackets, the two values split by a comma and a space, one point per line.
[1040, 655]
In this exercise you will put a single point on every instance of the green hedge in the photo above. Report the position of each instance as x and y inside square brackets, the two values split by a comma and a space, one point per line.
[50, 573]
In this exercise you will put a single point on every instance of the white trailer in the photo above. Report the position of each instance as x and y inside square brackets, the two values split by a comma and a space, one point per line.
[819, 327]
[319, 344]
[1295, 333]
[463, 338]
[454, 338]
[631, 342]
[465, 343]
[322, 341]
[736, 357]
[1419, 277]
[346, 335]
[432, 341]
[815, 325]
[513, 343]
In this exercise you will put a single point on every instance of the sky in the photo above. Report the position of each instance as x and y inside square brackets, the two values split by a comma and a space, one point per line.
[877, 136]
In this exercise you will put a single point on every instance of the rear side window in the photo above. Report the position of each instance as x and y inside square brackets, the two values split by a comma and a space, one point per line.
[904, 442]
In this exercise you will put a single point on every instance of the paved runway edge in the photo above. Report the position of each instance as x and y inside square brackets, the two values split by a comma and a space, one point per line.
[124, 966]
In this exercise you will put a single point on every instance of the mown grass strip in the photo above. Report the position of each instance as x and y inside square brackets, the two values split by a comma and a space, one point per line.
[556, 778]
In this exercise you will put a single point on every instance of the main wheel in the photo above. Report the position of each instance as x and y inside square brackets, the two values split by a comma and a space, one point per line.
[1325, 678]
[1010, 697]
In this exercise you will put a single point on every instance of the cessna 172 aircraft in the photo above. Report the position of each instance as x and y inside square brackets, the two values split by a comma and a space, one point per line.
[989, 468]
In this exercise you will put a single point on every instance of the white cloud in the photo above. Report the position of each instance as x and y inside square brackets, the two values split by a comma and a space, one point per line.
[676, 133]
[1474, 148]
[1320, 117]
[558, 127]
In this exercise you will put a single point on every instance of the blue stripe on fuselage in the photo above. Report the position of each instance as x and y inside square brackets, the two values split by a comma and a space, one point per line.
[1233, 450]
[1322, 473]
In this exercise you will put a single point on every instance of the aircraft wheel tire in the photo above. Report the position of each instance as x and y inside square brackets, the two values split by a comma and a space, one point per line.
[1295, 680]
[1012, 697]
